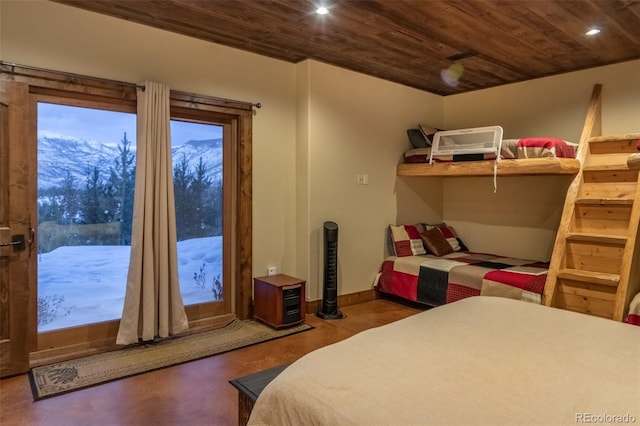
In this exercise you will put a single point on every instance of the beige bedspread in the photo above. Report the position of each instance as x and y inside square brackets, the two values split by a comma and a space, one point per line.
[478, 361]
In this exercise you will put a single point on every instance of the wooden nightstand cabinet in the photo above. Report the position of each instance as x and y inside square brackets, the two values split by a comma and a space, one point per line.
[279, 300]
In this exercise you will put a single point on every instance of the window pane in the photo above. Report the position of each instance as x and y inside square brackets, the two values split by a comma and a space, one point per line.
[197, 177]
[86, 170]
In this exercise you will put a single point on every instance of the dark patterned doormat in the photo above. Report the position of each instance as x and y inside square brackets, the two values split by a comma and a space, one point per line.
[67, 376]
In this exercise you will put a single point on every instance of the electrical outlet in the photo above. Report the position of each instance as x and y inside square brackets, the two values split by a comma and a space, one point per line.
[271, 270]
[362, 179]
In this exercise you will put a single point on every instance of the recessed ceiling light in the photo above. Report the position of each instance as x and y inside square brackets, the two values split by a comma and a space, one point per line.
[592, 31]
[322, 10]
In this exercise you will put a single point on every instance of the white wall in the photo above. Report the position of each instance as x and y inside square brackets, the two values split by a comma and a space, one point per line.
[552, 106]
[519, 220]
[357, 125]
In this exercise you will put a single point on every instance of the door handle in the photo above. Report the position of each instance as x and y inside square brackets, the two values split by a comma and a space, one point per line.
[12, 243]
[17, 242]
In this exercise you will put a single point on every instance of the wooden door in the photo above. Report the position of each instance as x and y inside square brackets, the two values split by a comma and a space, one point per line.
[15, 239]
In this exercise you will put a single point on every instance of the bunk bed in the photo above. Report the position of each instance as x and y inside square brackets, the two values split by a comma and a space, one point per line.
[433, 277]
[595, 265]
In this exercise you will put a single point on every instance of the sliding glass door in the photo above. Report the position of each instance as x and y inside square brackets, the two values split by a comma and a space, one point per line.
[86, 174]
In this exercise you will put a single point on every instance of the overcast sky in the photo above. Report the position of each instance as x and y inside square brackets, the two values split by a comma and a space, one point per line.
[108, 127]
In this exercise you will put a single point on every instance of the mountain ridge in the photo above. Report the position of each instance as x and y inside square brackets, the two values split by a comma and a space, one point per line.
[61, 154]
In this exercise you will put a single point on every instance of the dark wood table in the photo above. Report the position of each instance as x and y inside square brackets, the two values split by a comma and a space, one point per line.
[249, 388]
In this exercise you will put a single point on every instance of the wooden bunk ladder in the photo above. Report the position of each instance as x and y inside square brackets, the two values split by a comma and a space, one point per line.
[594, 266]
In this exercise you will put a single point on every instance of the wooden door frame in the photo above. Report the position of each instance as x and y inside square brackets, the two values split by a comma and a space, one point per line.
[16, 341]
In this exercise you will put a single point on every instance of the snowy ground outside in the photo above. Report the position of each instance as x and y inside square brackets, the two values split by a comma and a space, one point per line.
[93, 279]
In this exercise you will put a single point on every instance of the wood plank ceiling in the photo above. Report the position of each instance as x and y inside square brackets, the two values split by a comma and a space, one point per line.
[409, 42]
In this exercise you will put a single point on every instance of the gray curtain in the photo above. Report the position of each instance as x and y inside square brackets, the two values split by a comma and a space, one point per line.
[153, 304]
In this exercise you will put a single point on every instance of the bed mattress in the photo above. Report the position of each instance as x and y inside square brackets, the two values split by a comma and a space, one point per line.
[478, 361]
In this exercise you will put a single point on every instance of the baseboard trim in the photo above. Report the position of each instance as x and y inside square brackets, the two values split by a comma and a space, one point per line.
[344, 300]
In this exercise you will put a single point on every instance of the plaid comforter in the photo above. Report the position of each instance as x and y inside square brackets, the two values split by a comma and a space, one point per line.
[438, 280]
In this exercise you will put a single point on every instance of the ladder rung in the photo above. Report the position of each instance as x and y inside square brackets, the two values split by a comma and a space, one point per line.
[590, 277]
[606, 168]
[615, 138]
[597, 238]
[605, 201]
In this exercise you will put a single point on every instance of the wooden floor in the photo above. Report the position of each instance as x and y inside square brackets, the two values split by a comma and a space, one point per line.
[194, 393]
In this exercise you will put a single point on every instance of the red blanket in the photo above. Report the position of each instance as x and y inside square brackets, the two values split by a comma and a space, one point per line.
[557, 147]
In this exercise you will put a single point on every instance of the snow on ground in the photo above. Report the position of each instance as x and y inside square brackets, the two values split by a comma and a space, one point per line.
[93, 279]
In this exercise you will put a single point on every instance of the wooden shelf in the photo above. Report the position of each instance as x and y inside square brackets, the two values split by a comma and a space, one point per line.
[519, 167]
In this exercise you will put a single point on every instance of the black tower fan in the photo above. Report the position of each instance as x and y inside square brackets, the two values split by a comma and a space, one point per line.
[329, 308]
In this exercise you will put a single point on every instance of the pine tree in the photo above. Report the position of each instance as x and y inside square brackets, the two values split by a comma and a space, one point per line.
[93, 198]
[70, 200]
[201, 222]
[49, 207]
[122, 179]
[181, 181]
[215, 204]
[110, 201]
